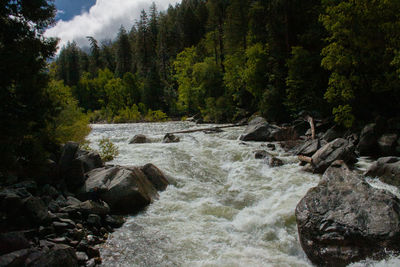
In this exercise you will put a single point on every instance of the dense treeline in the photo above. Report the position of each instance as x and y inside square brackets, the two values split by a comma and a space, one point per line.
[37, 114]
[227, 59]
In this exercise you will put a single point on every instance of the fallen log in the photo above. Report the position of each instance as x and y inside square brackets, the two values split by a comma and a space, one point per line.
[305, 159]
[208, 129]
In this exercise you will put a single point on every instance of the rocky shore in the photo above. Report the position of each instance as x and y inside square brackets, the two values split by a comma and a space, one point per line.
[61, 220]
[343, 219]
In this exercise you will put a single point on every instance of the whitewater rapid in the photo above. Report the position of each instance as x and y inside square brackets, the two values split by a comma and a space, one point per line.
[223, 207]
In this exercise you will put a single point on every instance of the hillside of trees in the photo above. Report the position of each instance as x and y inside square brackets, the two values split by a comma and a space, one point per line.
[228, 59]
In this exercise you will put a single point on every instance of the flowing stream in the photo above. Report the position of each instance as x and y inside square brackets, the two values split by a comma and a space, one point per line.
[223, 207]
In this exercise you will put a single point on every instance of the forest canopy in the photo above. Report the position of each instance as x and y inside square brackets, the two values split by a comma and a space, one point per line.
[228, 59]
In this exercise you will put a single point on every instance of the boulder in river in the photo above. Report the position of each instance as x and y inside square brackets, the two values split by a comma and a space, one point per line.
[338, 149]
[344, 219]
[387, 169]
[138, 139]
[155, 176]
[170, 138]
[259, 129]
[274, 162]
[125, 190]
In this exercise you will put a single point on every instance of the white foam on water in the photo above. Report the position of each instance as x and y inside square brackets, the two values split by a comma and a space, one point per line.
[224, 207]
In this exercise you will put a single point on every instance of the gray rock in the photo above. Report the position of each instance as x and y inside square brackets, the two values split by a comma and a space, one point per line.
[125, 190]
[88, 207]
[59, 255]
[67, 156]
[155, 176]
[368, 144]
[114, 221]
[259, 129]
[74, 176]
[90, 161]
[274, 162]
[129, 191]
[138, 139]
[344, 219]
[15, 258]
[94, 219]
[309, 147]
[261, 154]
[333, 133]
[170, 138]
[387, 169]
[338, 149]
[35, 209]
[72, 201]
[82, 257]
[387, 144]
[12, 241]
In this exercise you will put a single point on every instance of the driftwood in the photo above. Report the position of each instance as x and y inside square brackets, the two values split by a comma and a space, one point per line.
[312, 125]
[208, 129]
[305, 159]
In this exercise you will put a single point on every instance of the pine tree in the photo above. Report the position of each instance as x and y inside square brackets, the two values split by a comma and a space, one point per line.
[123, 53]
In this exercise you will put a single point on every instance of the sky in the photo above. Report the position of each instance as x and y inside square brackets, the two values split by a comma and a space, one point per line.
[101, 19]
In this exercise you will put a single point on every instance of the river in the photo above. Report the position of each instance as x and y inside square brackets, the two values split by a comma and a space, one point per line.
[223, 207]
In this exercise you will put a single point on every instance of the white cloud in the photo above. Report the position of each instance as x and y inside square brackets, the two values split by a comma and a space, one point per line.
[103, 20]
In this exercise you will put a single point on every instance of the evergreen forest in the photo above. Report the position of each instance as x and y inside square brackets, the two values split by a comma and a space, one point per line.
[227, 59]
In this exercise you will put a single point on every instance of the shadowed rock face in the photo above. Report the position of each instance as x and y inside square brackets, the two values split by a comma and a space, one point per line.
[259, 130]
[387, 169]
[343, 219]
[338, 149]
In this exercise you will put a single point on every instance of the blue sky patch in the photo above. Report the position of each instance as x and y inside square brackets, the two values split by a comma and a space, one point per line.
[67, 9]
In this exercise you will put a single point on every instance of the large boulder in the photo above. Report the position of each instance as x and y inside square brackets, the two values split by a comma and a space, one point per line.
[259, 129]
[13, 241]
[344, 219]
[36, 210]
[70, 168]
[125, 190]
[338, 149]
[368, 144]
[90, 160]
[387, 144]
[309, 147]
[334, 132]
[59, 255]
[387, 169]
[155, 176]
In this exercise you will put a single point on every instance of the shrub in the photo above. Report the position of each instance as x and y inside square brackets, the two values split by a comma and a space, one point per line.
[108, 150]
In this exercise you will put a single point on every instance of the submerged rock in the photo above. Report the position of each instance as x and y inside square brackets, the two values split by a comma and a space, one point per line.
[139, 139]
[274, 162]
[387, 169]
[170, 138]
[344, 219]
[261, 154]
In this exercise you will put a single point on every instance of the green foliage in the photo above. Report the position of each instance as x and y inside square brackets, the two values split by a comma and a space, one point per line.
[108, 150]
[155, 116]
[70, 124]
[128, 114]
[343, 115]
[363, 39]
